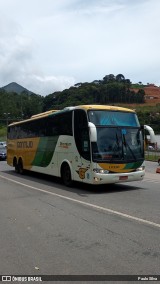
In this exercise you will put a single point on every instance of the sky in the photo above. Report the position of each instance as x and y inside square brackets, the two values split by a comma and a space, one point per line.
[50, 45]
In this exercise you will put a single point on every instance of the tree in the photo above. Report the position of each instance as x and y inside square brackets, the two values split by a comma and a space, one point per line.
[120, 78]
[108, 78]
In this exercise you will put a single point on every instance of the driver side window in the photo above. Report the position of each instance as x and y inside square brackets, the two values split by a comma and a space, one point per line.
[81, 133]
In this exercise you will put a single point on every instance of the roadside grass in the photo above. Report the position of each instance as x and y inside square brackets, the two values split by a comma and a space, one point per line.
[152, 156]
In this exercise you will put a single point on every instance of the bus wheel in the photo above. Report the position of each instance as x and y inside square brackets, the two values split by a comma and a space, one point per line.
[15, 165]
[66, 175]
[20, 167]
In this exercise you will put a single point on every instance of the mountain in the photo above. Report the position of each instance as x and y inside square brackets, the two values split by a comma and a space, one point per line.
[14, 87]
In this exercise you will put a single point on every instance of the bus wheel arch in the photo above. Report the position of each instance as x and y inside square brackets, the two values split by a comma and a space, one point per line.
[66, 174]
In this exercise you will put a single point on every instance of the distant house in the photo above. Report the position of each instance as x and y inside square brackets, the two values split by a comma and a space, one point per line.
[151, 85]
[151, 97]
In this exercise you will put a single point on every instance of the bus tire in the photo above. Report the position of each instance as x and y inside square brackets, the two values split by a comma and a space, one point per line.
[20, 167]
[66, 175]
[15, 165]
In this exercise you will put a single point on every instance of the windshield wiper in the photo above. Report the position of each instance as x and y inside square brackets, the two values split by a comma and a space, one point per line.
[139, 140]
[114, 148]
[127, 146]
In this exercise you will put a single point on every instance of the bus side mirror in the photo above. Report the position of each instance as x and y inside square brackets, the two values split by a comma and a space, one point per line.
[93, 132]
[151, 133]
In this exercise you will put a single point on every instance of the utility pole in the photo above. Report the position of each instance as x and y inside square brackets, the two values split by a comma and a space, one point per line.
[7, 116]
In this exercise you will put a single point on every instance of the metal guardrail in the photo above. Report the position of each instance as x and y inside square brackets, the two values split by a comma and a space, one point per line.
[152, 155]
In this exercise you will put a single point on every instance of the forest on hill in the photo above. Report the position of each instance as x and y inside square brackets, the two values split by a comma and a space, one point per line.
[111, 90]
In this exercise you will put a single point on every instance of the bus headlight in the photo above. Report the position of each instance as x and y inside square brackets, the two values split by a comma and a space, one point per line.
[100, 171]
[142, 168]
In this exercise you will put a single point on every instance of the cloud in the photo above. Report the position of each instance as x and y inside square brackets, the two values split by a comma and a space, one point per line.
[18, 61]
[50, 45]
[92, 38]
[48, 84]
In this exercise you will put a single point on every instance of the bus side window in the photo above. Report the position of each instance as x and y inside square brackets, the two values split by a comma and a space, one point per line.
[59, 125]
[81, 133]
[66, 124]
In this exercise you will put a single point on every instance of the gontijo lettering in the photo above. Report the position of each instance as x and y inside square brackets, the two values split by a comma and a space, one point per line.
[25, 144]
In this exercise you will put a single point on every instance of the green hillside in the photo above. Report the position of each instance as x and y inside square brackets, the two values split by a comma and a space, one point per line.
[111, 90]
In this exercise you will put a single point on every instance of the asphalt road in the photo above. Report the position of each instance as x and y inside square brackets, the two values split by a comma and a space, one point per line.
[46, 228]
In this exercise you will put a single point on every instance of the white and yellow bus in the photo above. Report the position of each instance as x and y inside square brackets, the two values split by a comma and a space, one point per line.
[89, 143]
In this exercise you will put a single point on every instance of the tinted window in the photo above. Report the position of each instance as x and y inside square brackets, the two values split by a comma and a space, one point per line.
[59, 124]
[49, 126]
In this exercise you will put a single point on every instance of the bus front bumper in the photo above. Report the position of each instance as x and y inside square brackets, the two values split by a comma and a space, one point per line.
[111, 178]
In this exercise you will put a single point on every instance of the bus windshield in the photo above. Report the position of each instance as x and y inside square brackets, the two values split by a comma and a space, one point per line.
[118, 118]
[118, 144]
[119, 137]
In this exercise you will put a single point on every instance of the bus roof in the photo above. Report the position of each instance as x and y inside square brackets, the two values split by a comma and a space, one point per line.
[43, 113]
[105, 107]
[66, 109]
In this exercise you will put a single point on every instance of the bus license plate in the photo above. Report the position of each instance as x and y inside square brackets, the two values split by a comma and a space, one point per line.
[123, 178]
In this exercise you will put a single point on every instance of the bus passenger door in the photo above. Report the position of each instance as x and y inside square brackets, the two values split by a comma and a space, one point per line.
[82, 155]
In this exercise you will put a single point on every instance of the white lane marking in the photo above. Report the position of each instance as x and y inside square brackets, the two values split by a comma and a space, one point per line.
[86, 203]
